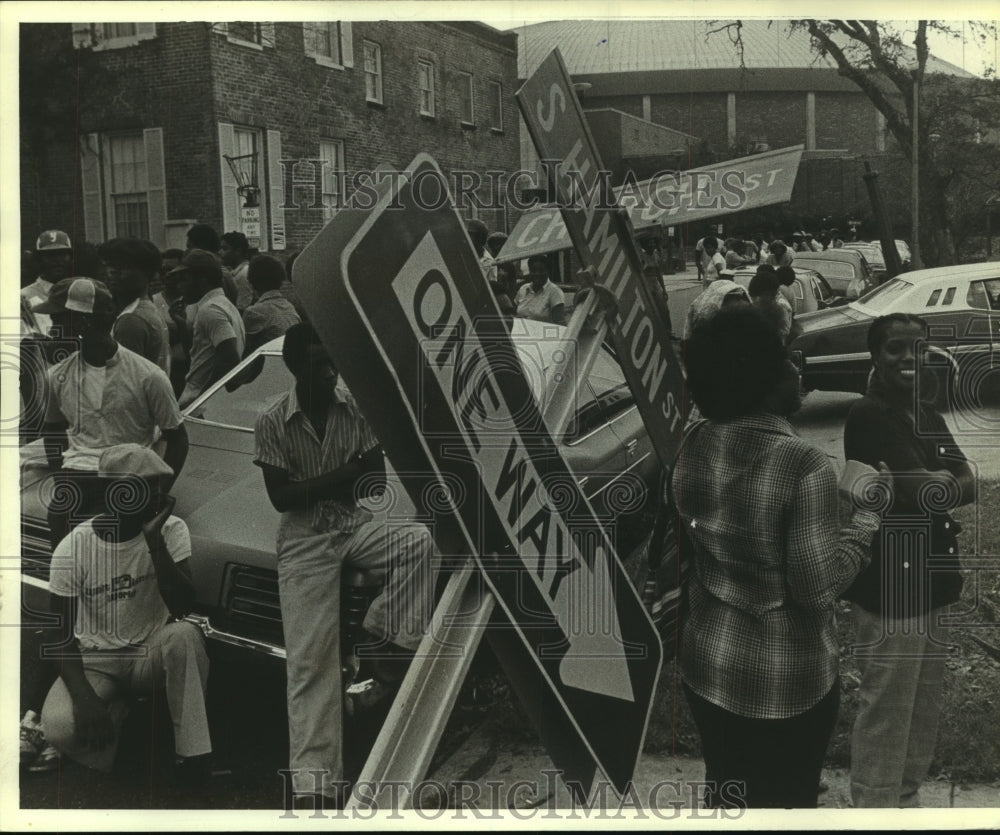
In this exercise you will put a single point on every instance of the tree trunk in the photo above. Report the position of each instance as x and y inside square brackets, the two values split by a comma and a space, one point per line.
[936, 244]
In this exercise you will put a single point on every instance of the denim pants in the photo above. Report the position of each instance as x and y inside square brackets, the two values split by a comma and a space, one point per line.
[902, 664]
[173, 657]
[309, 569]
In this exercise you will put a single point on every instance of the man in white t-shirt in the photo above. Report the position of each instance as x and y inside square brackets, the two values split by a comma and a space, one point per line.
[119, 584]
[539, 298]
[712, 262]
[54, 256]
[99, 396]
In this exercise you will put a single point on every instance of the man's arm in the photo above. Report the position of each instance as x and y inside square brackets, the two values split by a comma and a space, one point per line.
[224, 359]
[176, 451]
[56, 441]
[93, 723]
[173, 579]
[339, 484]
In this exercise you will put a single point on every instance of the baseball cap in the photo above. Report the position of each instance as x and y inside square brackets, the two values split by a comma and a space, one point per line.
[200, 261]
[133, 459]
[78, 295]
[52, 239]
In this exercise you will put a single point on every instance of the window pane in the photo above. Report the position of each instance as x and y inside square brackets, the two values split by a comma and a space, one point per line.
[245, 31]
[373, 72]
[131, 216]
[948, 296]
[331, 151]
[118, 30]
[128, 163]
[496, 105]
[242, 407]
[465, 97]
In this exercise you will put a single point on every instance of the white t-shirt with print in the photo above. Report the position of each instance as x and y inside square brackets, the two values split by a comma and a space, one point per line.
[114, 583]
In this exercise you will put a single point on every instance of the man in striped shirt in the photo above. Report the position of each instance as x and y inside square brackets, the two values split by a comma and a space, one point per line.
[317, 454]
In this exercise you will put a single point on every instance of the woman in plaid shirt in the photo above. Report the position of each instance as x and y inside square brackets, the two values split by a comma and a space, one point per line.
[759, 649]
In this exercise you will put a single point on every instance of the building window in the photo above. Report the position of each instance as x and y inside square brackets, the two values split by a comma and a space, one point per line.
[111, 35]
[496, 106]
[328, 42]
[246, 32]
[126, 186]
[373, 72]
[465, 102]
[425, 71]
[331, 151]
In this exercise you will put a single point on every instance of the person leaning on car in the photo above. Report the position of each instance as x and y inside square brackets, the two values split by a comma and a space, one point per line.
[101, 395]
[759, 655]
[900, 598]
[317, 454]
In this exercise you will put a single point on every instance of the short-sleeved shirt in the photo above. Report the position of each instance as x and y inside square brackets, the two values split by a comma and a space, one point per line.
[216, 320]
[713, 266]
[140, 328]
[268, 318]
[121, 402]
[244, 291]
[284, 437]
[538, 305]
[763, 509]
[115, 584]
[900, 582]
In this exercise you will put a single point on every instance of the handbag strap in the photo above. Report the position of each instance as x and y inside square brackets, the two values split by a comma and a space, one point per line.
[667, 515]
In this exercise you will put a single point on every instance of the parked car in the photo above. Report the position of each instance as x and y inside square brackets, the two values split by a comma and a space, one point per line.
[220, 492]
[961, 304]
[873, 254]
[847, 271]
[812, 292]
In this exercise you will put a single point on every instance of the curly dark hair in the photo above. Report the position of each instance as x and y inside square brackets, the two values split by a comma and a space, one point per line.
[880, 327]
[733, 361]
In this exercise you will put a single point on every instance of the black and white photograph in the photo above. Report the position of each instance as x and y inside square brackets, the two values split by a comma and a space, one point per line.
[500, 414]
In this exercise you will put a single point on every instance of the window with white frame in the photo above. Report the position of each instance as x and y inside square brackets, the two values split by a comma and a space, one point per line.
[496, 105]
[328, 42]
[373, 72]
[466, 107]
[111, 35]
[126, 186]
[425, 72]
[331, 151]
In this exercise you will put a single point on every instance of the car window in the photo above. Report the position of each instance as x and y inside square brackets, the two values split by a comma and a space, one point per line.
[884, 297]
[797, 289]
[933, 300]
[976, 297]
[608, 383]
[241, 407]
[993, 292]
[829, 269]
[949, 295]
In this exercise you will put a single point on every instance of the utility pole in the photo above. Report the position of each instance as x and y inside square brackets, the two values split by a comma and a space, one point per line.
[915, 247]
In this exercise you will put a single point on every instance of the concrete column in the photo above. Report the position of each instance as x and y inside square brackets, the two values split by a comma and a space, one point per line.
[810, 121]
[731, 118]
[647, 108]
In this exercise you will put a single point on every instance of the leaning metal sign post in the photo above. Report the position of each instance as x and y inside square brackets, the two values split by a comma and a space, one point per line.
[602, 236]
[414, 329]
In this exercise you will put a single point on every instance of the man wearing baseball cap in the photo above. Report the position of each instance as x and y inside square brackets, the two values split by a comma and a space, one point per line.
[54, 256]
[120, 583]
[101, 395]
[217, 336]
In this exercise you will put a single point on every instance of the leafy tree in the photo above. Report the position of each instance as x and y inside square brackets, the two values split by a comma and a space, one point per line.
[956, 120]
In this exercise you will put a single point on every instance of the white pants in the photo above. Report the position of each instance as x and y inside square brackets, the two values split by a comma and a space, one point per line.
[174, 657]
[309, 569]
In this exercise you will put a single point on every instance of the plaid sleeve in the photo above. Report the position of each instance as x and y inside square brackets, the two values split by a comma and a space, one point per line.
[267, 434]
[822, 561]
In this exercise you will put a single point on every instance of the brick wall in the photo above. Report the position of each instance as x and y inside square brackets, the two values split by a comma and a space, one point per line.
[780, 117]
[845, 120]
[700, 114]
[284, 89]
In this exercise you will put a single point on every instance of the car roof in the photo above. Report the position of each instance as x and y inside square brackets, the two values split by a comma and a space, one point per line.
[851, 255]
[987, 269]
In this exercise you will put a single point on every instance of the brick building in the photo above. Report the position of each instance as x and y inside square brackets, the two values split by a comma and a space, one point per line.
[672, 73]
[168, 102]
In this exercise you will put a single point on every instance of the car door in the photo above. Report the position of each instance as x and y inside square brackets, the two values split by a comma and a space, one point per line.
[983, 330]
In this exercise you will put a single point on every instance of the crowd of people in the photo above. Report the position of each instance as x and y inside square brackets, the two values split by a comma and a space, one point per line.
[110, 359]
[772, 552]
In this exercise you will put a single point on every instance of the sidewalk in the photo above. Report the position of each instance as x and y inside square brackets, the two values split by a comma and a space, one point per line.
[516, 775]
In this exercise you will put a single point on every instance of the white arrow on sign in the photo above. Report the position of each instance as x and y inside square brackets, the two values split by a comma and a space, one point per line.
[568, 573]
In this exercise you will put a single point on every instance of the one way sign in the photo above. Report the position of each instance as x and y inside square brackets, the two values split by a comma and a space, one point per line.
[413, 328]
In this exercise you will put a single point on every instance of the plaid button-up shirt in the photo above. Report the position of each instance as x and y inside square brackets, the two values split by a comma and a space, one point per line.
[763, 509]
[284, 437]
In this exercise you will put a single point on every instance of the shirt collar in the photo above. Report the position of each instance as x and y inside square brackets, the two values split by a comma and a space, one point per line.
[129, 308]
[761, 422]
[293, 407]
[269, 294]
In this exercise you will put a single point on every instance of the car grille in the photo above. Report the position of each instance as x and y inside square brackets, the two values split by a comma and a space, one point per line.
[252, 607]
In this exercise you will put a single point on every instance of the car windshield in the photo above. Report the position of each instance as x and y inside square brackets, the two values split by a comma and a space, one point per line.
[883, 298]
[241, 407]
